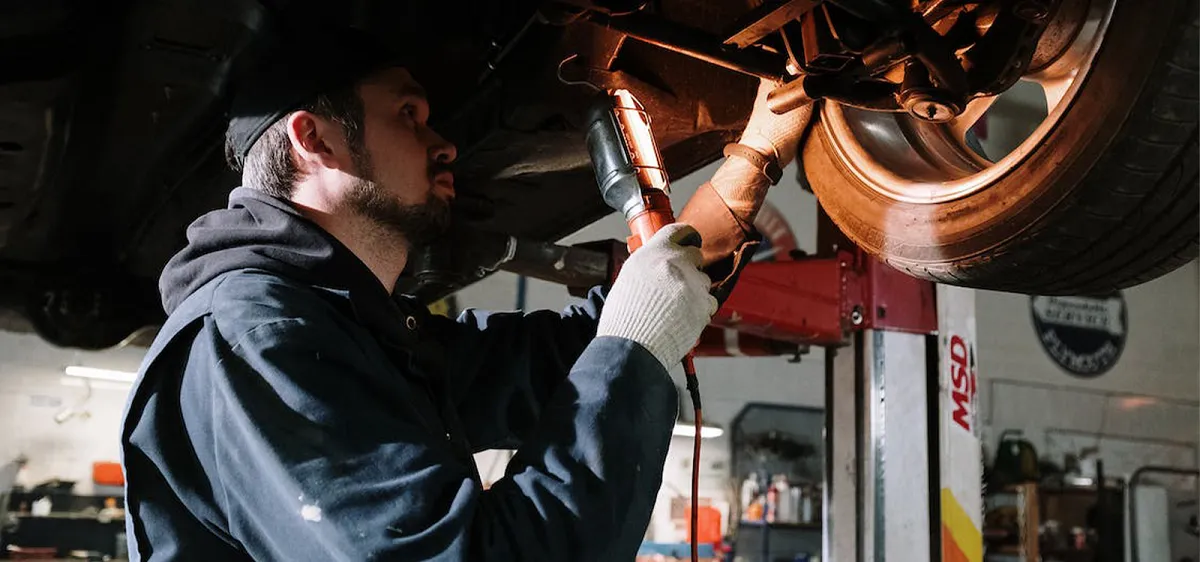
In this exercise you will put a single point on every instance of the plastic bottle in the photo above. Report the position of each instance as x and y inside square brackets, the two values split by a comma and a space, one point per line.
[784, 513]
[806, 508]
[772, 504]
[750, 490]
[42, 507]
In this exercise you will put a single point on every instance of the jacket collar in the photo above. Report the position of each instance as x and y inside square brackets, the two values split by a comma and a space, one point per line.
[395, 320]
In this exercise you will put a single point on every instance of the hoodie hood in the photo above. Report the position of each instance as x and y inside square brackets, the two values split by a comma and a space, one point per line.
[258, 231]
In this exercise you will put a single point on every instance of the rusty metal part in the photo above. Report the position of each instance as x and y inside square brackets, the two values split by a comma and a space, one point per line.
[767, 19]
[934, 10]
[466, 255]
[693, 43]
[823, 52]
[923, 100]
[1060, 33]
[984, 17]
[885, 53]
[929, 105]
[937, 56]
[571, 266]
[788, 97]
[793, 47]
[868, 94]
[1002, 55]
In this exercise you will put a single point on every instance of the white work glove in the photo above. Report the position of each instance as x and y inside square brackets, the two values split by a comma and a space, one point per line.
[660, 298]
[768, 132]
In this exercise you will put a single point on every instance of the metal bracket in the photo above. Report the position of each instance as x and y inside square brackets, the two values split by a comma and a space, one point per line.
[767, 19]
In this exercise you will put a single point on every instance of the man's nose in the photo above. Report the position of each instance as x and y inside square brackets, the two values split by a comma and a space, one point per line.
[442, 150]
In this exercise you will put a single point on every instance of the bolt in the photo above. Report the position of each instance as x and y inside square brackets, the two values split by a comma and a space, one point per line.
[856, 316]
[1031, 10]
[928, 106]
[932, 111]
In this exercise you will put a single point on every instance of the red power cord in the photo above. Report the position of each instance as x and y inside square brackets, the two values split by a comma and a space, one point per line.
[693, 386]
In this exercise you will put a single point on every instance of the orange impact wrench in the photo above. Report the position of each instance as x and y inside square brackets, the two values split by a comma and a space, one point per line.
[632, 180]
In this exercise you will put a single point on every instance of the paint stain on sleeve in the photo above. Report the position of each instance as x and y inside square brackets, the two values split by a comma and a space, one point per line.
[311, 513]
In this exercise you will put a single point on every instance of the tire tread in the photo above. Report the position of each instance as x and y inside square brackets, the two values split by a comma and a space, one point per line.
[1134, 217]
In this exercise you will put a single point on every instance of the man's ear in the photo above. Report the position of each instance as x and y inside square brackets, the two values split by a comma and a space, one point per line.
[317, 141]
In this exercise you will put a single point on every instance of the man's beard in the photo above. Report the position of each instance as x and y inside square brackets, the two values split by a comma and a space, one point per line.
[419, 224]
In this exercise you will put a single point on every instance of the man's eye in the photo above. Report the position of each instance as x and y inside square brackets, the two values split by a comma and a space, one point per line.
[410, 111]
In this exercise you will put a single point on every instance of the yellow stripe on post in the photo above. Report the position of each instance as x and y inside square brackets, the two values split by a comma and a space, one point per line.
[962, 541]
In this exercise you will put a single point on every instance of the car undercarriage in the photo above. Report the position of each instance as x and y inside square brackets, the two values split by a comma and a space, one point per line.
[112, 118]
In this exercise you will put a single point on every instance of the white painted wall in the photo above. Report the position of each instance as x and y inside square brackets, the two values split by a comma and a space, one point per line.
[1151, 394]
[32, 393]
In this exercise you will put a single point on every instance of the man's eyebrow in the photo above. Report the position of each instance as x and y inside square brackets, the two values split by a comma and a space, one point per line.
[409, 90]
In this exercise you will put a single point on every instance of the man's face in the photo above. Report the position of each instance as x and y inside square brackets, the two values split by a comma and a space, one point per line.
[405, 183]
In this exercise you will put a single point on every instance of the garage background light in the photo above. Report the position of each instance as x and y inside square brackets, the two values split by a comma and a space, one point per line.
[100, 374]
[689, 430]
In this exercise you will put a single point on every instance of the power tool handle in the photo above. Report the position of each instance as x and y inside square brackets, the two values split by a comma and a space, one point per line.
[645, 224]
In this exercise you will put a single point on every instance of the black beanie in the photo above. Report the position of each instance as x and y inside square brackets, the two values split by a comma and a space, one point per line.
[293, 74]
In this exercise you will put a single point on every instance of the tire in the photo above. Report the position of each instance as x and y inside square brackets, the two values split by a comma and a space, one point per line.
[1108, 199]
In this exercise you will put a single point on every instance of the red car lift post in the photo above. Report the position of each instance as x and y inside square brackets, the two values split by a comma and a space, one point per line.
[903, 468]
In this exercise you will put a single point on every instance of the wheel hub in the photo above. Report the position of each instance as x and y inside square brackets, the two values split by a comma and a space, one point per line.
[922, 155]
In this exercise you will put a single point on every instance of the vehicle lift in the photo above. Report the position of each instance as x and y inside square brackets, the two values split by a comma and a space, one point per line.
[903, 465]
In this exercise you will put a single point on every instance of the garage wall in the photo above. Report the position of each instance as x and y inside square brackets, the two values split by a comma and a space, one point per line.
[1160, 357]
[1151, 395]
[32, 393]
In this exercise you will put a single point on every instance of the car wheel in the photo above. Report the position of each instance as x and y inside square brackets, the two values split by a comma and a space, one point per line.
[1101, 196]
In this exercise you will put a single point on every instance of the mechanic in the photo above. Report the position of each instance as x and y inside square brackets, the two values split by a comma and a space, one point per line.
[292, 409]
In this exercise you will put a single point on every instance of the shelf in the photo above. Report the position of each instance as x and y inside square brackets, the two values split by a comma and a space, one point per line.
[792, 526]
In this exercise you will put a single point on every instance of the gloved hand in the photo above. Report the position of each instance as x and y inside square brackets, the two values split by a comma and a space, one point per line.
[660, 298]
[768, 132]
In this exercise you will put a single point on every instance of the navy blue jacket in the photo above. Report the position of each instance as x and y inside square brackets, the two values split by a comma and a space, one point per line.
[290, 409]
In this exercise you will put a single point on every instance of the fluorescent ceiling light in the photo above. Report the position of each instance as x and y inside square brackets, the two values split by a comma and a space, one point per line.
[689, 430]
[100, 374]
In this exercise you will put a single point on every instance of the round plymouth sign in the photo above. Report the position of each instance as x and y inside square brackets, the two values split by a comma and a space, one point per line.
[1084, 335]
